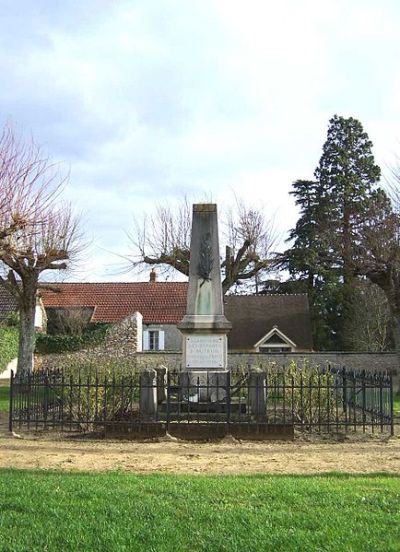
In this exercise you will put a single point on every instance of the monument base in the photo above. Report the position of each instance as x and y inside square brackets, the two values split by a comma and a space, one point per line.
[203, 385]
[204, 350]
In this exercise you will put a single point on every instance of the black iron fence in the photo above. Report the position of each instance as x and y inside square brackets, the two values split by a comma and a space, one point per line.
[254, 403]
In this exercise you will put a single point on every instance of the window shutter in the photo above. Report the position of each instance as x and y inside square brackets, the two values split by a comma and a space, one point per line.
[161, 340]
[145, 340]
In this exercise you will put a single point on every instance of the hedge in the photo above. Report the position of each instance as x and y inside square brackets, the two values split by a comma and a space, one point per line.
[47, 344]
[8, 346]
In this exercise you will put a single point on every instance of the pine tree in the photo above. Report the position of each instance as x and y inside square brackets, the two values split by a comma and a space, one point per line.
[346, 174]
[306, 262]
[328, 234]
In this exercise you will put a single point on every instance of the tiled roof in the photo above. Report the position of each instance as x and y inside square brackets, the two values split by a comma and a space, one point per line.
[8, 303]
[253, 316]
[158, 302]
[165, 303]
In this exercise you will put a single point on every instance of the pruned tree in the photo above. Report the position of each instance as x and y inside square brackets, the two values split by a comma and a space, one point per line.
[35, 234]
[163, 240]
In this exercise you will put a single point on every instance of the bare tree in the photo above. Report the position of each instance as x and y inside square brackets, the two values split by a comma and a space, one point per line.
[35, 234]
[163, 240]
[369, 327]
[68, 321]
[379, 257]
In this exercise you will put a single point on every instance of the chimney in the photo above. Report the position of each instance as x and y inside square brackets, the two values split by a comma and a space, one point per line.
[153, 276]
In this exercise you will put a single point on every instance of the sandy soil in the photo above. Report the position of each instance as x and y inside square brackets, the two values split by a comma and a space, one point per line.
[224, 457]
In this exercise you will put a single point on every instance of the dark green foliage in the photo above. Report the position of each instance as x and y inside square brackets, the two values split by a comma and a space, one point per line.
[12, 320]
[8, 345]
[116, 511]
[94, 335]
[326, 242]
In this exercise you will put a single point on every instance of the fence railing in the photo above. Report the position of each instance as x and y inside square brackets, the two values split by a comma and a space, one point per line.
[259, 402]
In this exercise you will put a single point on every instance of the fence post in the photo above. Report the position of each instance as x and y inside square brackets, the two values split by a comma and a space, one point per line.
[364, 399]
[344, 383]
[148, 394]
[257, 395]
[168, 413]
[10, 412]
[228, 401]
[391, 405]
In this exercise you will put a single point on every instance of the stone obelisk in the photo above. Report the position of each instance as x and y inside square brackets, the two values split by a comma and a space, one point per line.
[204, 327]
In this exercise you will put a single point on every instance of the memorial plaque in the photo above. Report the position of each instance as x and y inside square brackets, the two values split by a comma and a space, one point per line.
[205, 351]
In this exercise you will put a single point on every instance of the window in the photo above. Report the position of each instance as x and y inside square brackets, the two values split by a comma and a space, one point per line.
[153, 340]
[275, 349]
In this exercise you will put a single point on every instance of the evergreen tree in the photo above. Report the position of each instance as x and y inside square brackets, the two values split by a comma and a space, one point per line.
[328, 234]
[307, 262]
[346, 174]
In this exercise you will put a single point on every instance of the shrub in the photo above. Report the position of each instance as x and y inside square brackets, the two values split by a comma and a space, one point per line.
[12, 319]
[96, 388]
[309, 392]
[48, 344]
[8, 345]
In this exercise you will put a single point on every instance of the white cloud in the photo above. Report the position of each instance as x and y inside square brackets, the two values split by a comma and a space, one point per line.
[148, 100]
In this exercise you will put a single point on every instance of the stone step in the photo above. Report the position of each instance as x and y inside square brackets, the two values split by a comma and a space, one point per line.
[203, 407]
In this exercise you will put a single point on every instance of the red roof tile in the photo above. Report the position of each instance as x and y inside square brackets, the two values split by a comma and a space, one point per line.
[8, 303]
[158, 302]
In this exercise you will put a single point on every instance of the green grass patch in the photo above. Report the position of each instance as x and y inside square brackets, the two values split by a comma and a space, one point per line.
[4, 398]
[396, 405]
[117, 512]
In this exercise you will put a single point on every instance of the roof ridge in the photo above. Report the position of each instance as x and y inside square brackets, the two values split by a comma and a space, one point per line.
[105, 283]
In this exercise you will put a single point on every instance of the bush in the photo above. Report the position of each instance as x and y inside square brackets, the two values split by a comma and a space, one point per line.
[8, 345]
[48, 344]
[300, 388]
[98, 390]
[12, 319]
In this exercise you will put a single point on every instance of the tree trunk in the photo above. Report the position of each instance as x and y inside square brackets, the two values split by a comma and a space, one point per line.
[26, 344]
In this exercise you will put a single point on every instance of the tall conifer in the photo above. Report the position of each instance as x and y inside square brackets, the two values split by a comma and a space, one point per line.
[327, 236]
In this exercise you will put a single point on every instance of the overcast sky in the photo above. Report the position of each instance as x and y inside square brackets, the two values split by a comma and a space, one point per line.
[146, 101]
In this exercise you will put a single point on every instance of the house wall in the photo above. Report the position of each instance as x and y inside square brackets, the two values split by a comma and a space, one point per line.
[40, 317]
[172, 336]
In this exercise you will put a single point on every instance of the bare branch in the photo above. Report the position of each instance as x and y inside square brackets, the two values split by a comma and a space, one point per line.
[163, 240]
[35, 234]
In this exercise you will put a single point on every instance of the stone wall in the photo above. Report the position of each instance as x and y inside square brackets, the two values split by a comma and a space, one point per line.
[371, 362]
[121, 344]
[384, 362]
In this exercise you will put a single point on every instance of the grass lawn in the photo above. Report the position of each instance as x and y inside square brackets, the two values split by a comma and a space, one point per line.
[117, 512]
[396, 405]
[4, 397]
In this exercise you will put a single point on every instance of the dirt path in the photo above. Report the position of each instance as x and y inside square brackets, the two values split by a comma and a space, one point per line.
[226, 457]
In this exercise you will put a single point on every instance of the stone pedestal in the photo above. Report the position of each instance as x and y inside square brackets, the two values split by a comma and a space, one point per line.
[148, 394]
[199, 386]
[257, 394]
